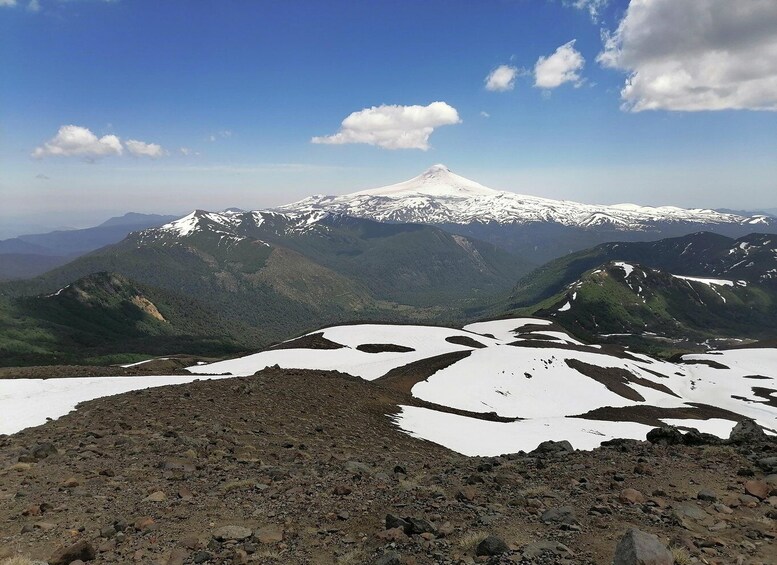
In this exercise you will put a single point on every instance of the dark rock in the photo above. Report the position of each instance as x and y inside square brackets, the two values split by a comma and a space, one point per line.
[537, 550]
[492, 545]
[391, 558]
[82, 550]
[694, 437]
[341, 490]
[410, 525]
[551, 447]
[43, 450]
[357, 468]
[561, 515]
[707, 495]
[768, 464]
[688, 510]
[639, 548]
[747, 431]
[202, 557]
[665, 435]
[420, 526]
[396, 522]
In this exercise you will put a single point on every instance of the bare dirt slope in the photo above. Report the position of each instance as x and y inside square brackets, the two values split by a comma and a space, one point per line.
[306, 466]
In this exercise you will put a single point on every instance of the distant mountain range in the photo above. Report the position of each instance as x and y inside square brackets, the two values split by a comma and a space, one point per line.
[539, 229]
[30, 255]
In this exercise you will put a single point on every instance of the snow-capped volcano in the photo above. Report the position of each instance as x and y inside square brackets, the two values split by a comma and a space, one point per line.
[439, 196]
[438, 181]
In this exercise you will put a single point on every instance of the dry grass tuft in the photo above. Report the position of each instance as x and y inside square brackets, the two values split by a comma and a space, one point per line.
[238, 485]
[681, 556]
[16, 560]
[20, 467]
[269, 554]
[469, 541]
[355, 557]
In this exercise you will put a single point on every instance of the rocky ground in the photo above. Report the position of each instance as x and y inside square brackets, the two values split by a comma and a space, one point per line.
[294, 466]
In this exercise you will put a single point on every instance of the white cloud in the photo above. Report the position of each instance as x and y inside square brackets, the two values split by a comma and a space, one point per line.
[143, 149]
[185, 151]
[564, 65]
[225, 133]
[696, 55]
[34, 5]
[485, 114]
[593, 7]
[393, 126]
[501, 78]
[78, 141]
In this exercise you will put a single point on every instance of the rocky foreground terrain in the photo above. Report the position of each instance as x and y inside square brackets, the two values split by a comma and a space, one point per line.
[292, 466]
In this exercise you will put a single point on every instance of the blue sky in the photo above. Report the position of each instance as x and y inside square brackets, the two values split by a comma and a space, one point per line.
[243, 87]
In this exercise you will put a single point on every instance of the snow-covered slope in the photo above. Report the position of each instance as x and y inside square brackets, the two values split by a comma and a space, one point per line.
[439, 196]
[236, 225]
[30, 402]
[528, 370]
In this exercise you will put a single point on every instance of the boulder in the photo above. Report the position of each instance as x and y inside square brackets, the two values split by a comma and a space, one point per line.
[82, 550]
[747, 431]
[640, 548]
[758, 489]
[694, 437]
[390, 558]
[551, 447]
[665, 435]
[236, 533]
[492, 545]
[631, 496]
[561, 515]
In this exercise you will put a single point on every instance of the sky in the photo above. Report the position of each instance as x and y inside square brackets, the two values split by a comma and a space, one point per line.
[139, 105]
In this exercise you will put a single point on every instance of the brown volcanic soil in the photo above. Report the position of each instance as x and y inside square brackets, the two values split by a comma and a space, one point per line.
[170, 366]
[312, 458]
